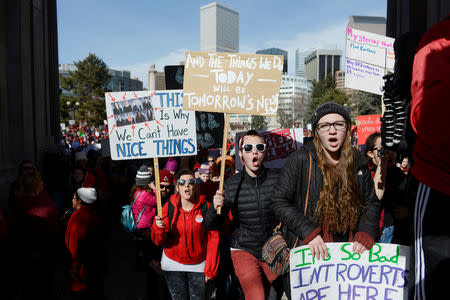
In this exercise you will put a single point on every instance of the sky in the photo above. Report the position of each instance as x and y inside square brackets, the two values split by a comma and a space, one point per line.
[131, 35]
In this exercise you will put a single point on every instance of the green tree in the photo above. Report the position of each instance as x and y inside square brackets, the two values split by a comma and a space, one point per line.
[367, 103]
[325, 91]
[322, 86]
[285, 119]
[88, 84]
[258, 122]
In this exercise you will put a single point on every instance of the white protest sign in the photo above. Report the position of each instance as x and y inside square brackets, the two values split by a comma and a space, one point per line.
[232, 82]
[368, 57]
[380, 273]
[280, 143]
[144, 124]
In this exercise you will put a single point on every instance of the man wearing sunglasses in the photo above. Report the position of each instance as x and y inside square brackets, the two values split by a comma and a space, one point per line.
[166, 185]
[246, 203]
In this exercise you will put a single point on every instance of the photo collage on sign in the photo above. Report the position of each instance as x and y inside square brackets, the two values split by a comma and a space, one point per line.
[133, 111]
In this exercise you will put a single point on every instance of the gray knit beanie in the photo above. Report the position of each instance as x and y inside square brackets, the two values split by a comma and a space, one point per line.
[143, 176]
[329, 108]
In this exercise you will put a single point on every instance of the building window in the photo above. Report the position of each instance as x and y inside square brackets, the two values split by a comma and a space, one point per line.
[337, 63]
[321, 67]
[329, 64]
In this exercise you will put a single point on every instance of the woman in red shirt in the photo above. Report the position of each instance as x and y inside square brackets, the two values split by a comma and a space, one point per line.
[191, 253]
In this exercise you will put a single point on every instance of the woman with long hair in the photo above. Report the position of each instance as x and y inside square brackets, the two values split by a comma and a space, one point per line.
[325, 192]
[190, 252]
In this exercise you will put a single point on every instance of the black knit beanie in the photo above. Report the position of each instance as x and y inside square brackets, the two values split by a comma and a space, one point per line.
[329, 108]
[143, 176]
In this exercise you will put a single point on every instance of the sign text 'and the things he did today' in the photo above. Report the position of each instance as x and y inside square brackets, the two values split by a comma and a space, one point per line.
[379, 273]
[144, 124]
[232, 82]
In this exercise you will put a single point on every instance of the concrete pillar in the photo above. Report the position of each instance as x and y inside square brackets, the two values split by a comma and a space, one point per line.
[152, 78]
[29, 115]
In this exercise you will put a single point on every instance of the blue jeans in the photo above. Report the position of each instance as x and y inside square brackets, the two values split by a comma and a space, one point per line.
[387, 234]
[186, 285]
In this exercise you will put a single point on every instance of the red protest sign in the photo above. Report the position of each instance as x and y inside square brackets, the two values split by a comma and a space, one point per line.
[366, 126]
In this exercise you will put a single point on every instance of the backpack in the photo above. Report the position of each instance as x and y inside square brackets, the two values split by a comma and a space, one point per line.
[127, 220]
[171, 208]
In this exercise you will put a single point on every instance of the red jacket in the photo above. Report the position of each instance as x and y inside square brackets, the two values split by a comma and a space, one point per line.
[83, 239]
[187, 242]
[430, 104]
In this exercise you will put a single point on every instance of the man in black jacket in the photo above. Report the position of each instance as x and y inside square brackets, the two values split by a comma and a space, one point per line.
[246, 203]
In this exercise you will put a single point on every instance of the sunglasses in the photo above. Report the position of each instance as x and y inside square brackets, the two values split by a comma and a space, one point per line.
[249, 147]
[162, 186]
[210, 160]
[183, 181]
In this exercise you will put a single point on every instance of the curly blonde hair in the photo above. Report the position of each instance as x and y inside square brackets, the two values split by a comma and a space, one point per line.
[339, 205]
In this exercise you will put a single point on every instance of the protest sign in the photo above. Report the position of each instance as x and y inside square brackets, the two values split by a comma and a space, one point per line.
[209, 129]
[379, 273]
[232, 82]
[368, 57]
[146, 124]
[366, 125]
[280, 143]
[209, 125]
[62, 126]
[174, 77]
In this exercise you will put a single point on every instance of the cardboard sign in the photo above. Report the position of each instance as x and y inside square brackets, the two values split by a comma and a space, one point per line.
[280, 143]
[366, 125]
[368, 57]
[380, 273]
[146, 124]
[232, 82]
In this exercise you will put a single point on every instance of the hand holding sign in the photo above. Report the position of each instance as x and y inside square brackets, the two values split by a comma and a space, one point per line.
[318, 248]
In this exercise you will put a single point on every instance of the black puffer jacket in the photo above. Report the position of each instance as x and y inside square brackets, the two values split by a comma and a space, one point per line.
[249, 199]
[290, 195]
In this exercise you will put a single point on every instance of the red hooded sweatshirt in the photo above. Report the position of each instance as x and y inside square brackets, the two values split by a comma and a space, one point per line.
[430, 106]
[188, 242]
[84, 241]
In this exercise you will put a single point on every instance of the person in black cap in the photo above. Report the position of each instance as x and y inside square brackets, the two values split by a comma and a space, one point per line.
[325, 192]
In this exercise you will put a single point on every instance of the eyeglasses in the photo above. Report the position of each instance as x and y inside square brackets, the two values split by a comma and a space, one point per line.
[210, 160]
[183, 181]
[339, 126]
[249, 147]
[162, 186]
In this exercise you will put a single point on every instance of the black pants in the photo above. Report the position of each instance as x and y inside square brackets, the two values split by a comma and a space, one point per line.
[431, 243]
[186, 285]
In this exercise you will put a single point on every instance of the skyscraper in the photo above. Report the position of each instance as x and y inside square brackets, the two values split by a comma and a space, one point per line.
[300, 55]
[277, 51]
[370, 24]
[321, 63]
[219, 28]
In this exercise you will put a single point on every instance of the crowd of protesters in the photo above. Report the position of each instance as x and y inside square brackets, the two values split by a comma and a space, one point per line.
[207, 243]
[190, 251]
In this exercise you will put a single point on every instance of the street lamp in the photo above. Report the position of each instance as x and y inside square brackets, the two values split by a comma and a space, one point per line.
[73, 107]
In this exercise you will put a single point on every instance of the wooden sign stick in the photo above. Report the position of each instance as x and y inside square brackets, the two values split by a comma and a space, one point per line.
[224, 156]
[158, 186]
